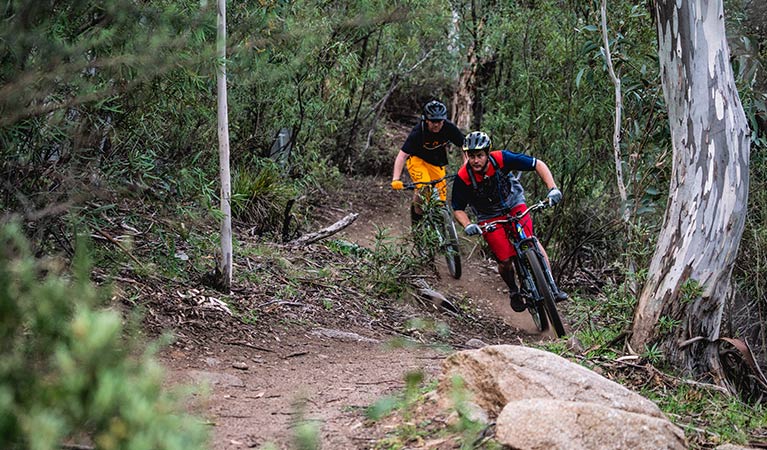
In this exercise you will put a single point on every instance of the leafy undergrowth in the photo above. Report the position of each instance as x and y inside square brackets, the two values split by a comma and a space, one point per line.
[708, 416]
[161, 261]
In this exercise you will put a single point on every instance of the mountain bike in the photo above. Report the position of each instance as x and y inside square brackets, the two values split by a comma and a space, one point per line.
[438, 223]
[535, 281]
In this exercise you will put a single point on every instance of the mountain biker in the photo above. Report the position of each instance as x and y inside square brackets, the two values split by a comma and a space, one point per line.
[425, 153]
[494, 194]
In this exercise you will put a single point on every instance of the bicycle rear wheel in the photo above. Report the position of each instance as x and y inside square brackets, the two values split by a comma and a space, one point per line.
[544, 289]
[450, 245]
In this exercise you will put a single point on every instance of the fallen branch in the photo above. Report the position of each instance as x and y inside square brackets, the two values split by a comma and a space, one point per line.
[246, 344]
[325, 232]
[107, 236]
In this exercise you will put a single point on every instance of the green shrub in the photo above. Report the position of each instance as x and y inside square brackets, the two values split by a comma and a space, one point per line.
[67, 373]
[260, 196]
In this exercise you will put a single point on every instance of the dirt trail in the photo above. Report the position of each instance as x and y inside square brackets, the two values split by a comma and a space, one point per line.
[381, 208]
[258, 395]
[326, 381]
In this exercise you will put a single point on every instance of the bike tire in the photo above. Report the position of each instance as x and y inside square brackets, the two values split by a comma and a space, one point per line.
[451, 249]
[542, 283]
[535, 308]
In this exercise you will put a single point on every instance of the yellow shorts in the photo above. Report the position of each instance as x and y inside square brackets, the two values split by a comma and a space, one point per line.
[420, 172]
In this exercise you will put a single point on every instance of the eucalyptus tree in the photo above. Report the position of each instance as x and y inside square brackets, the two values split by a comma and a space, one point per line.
[680, 308]
[225, 264]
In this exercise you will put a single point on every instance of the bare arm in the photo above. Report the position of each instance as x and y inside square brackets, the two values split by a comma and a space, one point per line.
[399, 164]
[461, 217]
[543, 171]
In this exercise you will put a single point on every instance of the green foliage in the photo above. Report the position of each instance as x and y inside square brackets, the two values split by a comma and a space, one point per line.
[67, 371]
[385, 405]
[306, 433]
[724, 418]
[653, 354]
[600, 319]
[261, 196]
[690, 291]
[667, 324]
[467, 425]
[416, 426]
[384, 267]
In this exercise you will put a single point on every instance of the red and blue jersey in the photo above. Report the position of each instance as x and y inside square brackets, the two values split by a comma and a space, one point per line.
[496, 191]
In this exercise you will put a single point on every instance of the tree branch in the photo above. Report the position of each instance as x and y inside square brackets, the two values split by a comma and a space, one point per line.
[325, 232]
[618, 112]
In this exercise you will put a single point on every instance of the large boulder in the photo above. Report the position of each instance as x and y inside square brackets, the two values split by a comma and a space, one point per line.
[499, 374]
[539, 424]
[543, 401]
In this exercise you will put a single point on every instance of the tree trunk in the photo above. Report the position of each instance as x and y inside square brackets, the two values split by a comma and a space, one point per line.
[618, 114]
[223, 151]
[463, 101]
[681, 305]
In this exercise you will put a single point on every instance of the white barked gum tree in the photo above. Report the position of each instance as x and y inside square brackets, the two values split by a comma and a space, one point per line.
[225, 264]
[681, 305]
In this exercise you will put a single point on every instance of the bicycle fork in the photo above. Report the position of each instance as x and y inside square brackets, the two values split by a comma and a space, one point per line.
[533, 241]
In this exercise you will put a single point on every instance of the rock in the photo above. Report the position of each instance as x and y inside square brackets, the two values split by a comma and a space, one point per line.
[341, 335]
[240, 365]
[498, 374]
[212, 362]
[574, 344]
[475, 343]
[534, 424]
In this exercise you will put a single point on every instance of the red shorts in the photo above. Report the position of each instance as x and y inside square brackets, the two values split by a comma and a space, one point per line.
[498, 240]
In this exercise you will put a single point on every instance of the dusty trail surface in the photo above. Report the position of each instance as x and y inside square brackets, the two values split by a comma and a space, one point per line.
[259, 390]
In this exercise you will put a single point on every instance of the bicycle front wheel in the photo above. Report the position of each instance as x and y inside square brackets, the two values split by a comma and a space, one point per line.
[544, 289]
[534, 303]
[450, 245]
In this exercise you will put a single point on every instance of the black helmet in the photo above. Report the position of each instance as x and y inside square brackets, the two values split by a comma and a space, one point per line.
[435, 110]
[476, 140]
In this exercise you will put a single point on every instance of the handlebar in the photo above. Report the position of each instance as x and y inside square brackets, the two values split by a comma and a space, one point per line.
[413, 185]
[490, 226]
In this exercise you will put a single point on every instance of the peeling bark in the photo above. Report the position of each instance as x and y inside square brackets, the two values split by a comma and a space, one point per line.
[225, 264]
[463, 103]
[706, 209]
[463, 97]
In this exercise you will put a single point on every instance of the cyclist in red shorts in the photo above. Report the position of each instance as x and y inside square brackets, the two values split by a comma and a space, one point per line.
[484, 183]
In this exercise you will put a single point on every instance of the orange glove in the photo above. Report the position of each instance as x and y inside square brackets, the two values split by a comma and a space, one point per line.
[397, 185]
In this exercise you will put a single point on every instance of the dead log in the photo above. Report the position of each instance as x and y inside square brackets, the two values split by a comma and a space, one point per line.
[325, 232]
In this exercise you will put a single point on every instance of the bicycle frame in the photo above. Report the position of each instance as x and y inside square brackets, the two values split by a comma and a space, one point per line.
[529, 258]
[431, 202]
[439, 217]
[519, 239]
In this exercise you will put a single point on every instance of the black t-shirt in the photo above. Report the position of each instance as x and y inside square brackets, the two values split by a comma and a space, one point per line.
[432, 147]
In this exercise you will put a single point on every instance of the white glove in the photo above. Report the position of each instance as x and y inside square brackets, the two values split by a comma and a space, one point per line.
[554, 196]
[472, 229]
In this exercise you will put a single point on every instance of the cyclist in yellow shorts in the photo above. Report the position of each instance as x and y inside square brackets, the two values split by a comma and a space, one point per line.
[425, 153]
